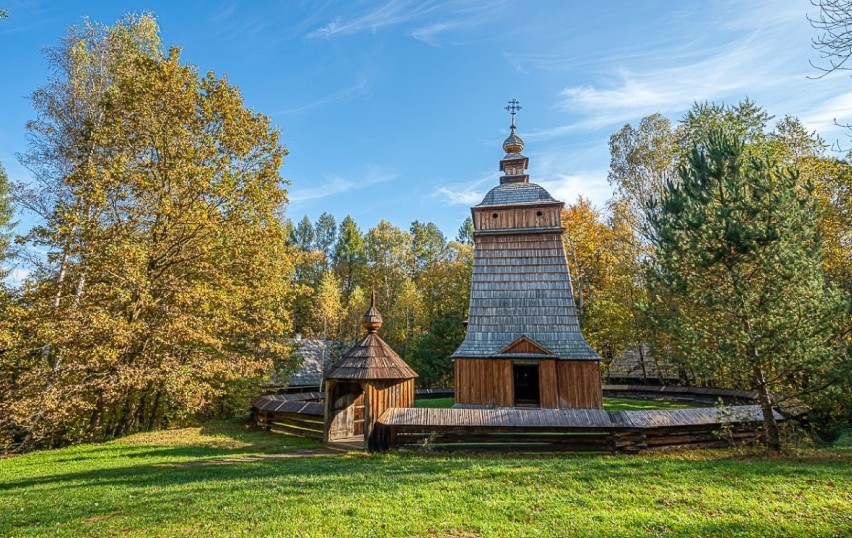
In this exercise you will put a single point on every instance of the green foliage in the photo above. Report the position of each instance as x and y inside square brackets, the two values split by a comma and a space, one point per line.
[326, 232]
[430, 358]
[738, 254]
[222, 480]
[6, 214]
[465, 233]
[349, 254]
[303, 236]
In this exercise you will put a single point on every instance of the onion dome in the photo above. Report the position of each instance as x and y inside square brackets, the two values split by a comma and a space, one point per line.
[513, 143]
[372, 320]
[371, 358]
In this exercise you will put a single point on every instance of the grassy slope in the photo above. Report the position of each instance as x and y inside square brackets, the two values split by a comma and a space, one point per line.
[210, 482]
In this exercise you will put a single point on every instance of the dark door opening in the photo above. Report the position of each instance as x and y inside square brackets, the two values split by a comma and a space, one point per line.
[526, 385]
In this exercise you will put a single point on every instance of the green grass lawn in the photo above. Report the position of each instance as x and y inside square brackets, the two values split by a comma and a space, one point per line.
[225, 480]
[610, 403]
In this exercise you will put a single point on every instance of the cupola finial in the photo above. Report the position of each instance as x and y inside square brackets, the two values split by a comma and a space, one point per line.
[513, 144]
[372, 320]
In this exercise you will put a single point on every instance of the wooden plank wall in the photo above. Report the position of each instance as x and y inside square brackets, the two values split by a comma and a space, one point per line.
[579, 384]
[547, 383]
[517, 218]
[381, 395]
[484, 381]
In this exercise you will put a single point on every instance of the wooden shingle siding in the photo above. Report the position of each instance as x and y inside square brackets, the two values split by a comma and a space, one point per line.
[370, 358]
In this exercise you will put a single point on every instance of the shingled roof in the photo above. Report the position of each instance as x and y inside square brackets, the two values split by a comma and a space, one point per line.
[520, 287]
[371, 357]
[516, 193]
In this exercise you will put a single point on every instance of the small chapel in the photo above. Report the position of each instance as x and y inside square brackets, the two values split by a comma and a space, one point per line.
[368, 379]
[523, 346]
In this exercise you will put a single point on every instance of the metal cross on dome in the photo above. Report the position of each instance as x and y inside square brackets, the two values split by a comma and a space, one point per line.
[513, 107]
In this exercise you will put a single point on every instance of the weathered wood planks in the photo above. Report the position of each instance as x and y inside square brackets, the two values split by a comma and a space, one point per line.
[567, 429]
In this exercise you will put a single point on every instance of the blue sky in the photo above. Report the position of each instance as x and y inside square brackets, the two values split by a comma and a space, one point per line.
[394, 110]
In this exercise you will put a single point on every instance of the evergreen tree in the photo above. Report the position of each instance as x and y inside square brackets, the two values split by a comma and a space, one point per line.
[326, 232]
[428, 245]
[304, 236]
[738, 256]
[349, 254]
[466, 231]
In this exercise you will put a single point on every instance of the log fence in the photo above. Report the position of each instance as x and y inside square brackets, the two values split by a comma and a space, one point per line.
[532, 429]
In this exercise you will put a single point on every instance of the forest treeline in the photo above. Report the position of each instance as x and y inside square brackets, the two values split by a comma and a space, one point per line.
[167, 282]
[421, 281]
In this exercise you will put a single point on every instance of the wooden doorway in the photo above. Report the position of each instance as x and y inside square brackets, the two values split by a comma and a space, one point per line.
[347, 413]
[527, 393]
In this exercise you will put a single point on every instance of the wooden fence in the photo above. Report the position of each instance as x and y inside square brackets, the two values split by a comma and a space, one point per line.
[528, 429]
[295, 414]
[517, 429]
[303, 413]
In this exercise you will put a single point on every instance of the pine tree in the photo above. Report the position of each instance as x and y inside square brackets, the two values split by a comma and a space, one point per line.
[738, 256]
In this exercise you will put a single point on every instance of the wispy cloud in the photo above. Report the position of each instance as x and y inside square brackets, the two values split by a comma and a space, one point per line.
[824, 118]
[360, 89]
[591, 184]
[389, 14]
[469, 193]
[428, 34]
[334, 184]
[670, 78]
[742, 67]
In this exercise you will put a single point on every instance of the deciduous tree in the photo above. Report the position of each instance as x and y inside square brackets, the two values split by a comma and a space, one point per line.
[161, 210]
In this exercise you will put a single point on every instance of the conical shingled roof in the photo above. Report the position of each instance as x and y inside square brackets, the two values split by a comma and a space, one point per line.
[371, 357]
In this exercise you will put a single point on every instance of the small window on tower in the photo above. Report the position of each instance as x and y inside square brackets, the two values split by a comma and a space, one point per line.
[538, 213]
[493, 215]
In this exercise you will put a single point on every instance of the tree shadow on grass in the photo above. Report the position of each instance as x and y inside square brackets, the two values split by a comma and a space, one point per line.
[166, 490]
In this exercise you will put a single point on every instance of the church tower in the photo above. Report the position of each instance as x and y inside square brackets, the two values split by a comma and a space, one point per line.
[523, 345]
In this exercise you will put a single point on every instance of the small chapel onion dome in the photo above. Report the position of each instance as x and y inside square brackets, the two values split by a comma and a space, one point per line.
[371, 358]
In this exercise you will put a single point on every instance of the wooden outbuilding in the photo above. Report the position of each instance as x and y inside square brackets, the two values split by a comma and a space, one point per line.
[523, 345]
[368, 379]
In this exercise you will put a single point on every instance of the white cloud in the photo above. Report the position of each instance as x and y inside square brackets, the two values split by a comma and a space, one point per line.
[334, 184]
[591, 185]
[743, 67]
[360, 89]
[470, 193]
[428, 34]
[825, 116]
[390, 14]
[461, 197]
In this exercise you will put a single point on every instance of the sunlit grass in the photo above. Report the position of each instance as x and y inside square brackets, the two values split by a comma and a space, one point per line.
[225, 480]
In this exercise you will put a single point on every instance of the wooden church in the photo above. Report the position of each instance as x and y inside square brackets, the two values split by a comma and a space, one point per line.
[368, 379]
[523, 345]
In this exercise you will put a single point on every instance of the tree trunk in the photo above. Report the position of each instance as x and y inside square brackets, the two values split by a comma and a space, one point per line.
[770, 427]
[154, 408]
[95, 420]
[642, 362]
